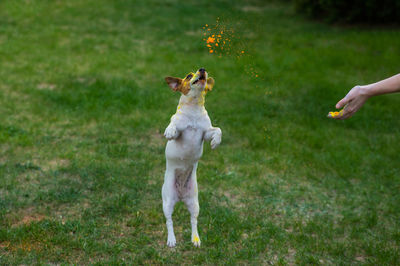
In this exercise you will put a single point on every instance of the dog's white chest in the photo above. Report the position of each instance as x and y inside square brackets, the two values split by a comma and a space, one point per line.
[188, 146]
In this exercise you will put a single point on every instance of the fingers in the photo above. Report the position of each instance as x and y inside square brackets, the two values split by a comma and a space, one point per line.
[342, 103]
[351, 95]
[350, 104]
[344, 115]
[348, 110]
[335, 115]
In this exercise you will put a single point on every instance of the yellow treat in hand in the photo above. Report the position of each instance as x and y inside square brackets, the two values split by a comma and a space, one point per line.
[335, 114]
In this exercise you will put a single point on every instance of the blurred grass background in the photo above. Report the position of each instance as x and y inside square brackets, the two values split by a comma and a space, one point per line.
[83, 105]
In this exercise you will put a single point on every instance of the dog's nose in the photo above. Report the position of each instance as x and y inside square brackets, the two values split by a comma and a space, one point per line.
[202, 70]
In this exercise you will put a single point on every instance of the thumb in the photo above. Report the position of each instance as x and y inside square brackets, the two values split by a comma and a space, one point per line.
[342, 103]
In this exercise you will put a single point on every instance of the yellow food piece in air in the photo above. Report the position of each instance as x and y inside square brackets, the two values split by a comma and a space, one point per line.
[211, 39]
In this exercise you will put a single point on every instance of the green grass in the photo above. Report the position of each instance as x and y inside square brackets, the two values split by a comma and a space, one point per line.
[83, 106]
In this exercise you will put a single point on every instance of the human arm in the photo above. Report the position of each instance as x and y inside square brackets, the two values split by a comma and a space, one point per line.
[358, 95]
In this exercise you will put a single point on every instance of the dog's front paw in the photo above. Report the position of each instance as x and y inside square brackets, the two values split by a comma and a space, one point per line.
[196, 240]
[171, 132]
[215, 141]
[171, 242]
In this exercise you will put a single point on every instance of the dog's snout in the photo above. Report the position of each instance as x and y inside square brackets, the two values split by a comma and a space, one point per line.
[202, 70]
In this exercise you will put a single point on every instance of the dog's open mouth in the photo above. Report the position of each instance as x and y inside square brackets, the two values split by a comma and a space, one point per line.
[202, 78]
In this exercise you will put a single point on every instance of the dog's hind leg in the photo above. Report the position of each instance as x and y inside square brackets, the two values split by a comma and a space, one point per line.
[192, 204]
[169, 200]
[193, 207]
[168, 208]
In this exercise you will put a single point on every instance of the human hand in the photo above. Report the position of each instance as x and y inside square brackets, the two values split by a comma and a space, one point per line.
[352, 102]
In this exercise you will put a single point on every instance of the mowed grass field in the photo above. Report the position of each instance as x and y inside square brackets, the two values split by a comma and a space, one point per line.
[84, 104]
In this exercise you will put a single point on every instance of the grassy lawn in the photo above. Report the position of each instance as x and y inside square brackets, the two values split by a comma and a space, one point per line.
[83, 105]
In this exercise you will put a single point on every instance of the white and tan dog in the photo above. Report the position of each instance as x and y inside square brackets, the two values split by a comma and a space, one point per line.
[189, 127]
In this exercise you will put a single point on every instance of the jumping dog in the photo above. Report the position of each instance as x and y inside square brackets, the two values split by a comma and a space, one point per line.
[186, 132]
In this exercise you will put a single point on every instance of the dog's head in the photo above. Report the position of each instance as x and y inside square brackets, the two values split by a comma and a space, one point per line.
[193, 84]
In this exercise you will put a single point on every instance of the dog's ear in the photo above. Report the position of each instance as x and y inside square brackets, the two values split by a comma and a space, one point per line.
[174, 83]
[210, 84]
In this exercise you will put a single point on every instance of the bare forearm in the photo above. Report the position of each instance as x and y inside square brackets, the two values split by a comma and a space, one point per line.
[358, 95]
[389, 85]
